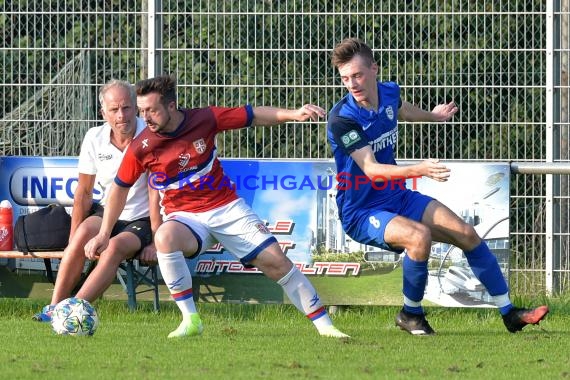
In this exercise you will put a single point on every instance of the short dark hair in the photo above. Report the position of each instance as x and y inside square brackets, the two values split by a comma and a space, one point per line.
[164, 85]
[348, 48]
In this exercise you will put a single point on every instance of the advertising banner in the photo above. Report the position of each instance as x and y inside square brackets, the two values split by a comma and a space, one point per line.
[296, 199]
[30, 183]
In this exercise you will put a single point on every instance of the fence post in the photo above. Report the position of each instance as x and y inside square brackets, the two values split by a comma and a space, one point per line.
[549, 207]
[154, 55]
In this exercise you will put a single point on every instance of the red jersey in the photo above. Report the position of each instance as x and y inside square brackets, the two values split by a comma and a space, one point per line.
[183, 165]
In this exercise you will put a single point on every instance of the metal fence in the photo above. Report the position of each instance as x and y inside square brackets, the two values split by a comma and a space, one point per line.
[504, 63]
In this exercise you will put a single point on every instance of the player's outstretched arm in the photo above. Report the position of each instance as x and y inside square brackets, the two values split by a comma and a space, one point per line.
[378, 172]
[434, 169]
[441, 112]
[265, 115]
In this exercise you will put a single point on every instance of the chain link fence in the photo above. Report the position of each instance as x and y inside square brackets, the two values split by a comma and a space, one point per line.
[491, 58]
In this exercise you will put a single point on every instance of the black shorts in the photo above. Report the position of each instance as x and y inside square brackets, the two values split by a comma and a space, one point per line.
[139, 227]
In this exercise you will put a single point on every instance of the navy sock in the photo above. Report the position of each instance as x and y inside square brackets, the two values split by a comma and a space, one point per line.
[415, 280]
[486, 268]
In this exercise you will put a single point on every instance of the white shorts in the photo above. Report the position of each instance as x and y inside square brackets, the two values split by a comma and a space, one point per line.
[235, 226]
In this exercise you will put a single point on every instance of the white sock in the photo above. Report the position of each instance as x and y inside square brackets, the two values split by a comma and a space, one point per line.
[305, 298]
[178, 279]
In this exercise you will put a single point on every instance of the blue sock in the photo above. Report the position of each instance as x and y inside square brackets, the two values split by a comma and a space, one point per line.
[415, 280]
[486, 268]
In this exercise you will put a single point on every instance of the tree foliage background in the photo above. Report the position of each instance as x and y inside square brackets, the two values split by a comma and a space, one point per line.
[485, 56]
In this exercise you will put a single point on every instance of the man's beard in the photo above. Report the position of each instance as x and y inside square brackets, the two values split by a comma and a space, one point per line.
[160, 128]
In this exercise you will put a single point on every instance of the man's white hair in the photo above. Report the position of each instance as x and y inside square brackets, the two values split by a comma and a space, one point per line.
[116, 83]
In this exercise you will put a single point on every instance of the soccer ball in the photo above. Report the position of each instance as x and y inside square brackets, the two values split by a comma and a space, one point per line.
[74, 316]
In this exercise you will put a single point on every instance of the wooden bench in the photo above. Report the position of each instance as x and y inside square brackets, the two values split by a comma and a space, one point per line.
[133, 276]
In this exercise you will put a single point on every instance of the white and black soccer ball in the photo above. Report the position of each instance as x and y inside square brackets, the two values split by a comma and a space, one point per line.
[74, 316]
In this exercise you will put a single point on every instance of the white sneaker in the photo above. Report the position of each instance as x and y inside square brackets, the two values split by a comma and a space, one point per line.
[333, 332]
[189, 327]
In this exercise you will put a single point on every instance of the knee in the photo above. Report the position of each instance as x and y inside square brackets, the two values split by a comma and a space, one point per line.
[175, 238]
[471, 237]
[420, 239]
[161, 240]
[165, 240]
[421, 235]
[115, 253]
[77, 243]
[75, 249]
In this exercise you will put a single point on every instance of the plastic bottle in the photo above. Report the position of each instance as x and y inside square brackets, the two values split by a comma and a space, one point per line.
[6, 226]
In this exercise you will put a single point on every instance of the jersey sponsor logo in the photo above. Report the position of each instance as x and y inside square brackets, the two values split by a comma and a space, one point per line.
[200, 146]
[350, 138]
[388, 139]
[104, 157]
[183, 160]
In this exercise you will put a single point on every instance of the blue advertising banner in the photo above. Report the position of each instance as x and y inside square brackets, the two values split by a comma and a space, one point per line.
[296, 199]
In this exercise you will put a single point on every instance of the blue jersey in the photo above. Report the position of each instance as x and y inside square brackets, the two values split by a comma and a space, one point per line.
[351, 127]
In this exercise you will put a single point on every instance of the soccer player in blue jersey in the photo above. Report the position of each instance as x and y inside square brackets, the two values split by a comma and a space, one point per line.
[363, 131]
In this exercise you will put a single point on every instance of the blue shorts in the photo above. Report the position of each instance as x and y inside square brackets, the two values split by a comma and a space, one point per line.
[370, 223]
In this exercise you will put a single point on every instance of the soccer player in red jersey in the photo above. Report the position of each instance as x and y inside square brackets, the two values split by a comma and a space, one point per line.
[178, 149]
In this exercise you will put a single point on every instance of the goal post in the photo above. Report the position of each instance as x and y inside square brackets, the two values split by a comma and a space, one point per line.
[53, 121]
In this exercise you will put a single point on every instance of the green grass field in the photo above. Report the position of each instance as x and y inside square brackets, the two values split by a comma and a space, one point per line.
[276, 342]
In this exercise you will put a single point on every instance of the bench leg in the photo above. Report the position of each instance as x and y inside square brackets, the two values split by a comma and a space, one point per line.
[131, 293]
[154, 276]
[135, 276]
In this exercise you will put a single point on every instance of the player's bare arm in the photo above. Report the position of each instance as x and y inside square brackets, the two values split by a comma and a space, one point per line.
[431, 168]
[434, 169]
[271, 115]
[441, 112]
[148, 253]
